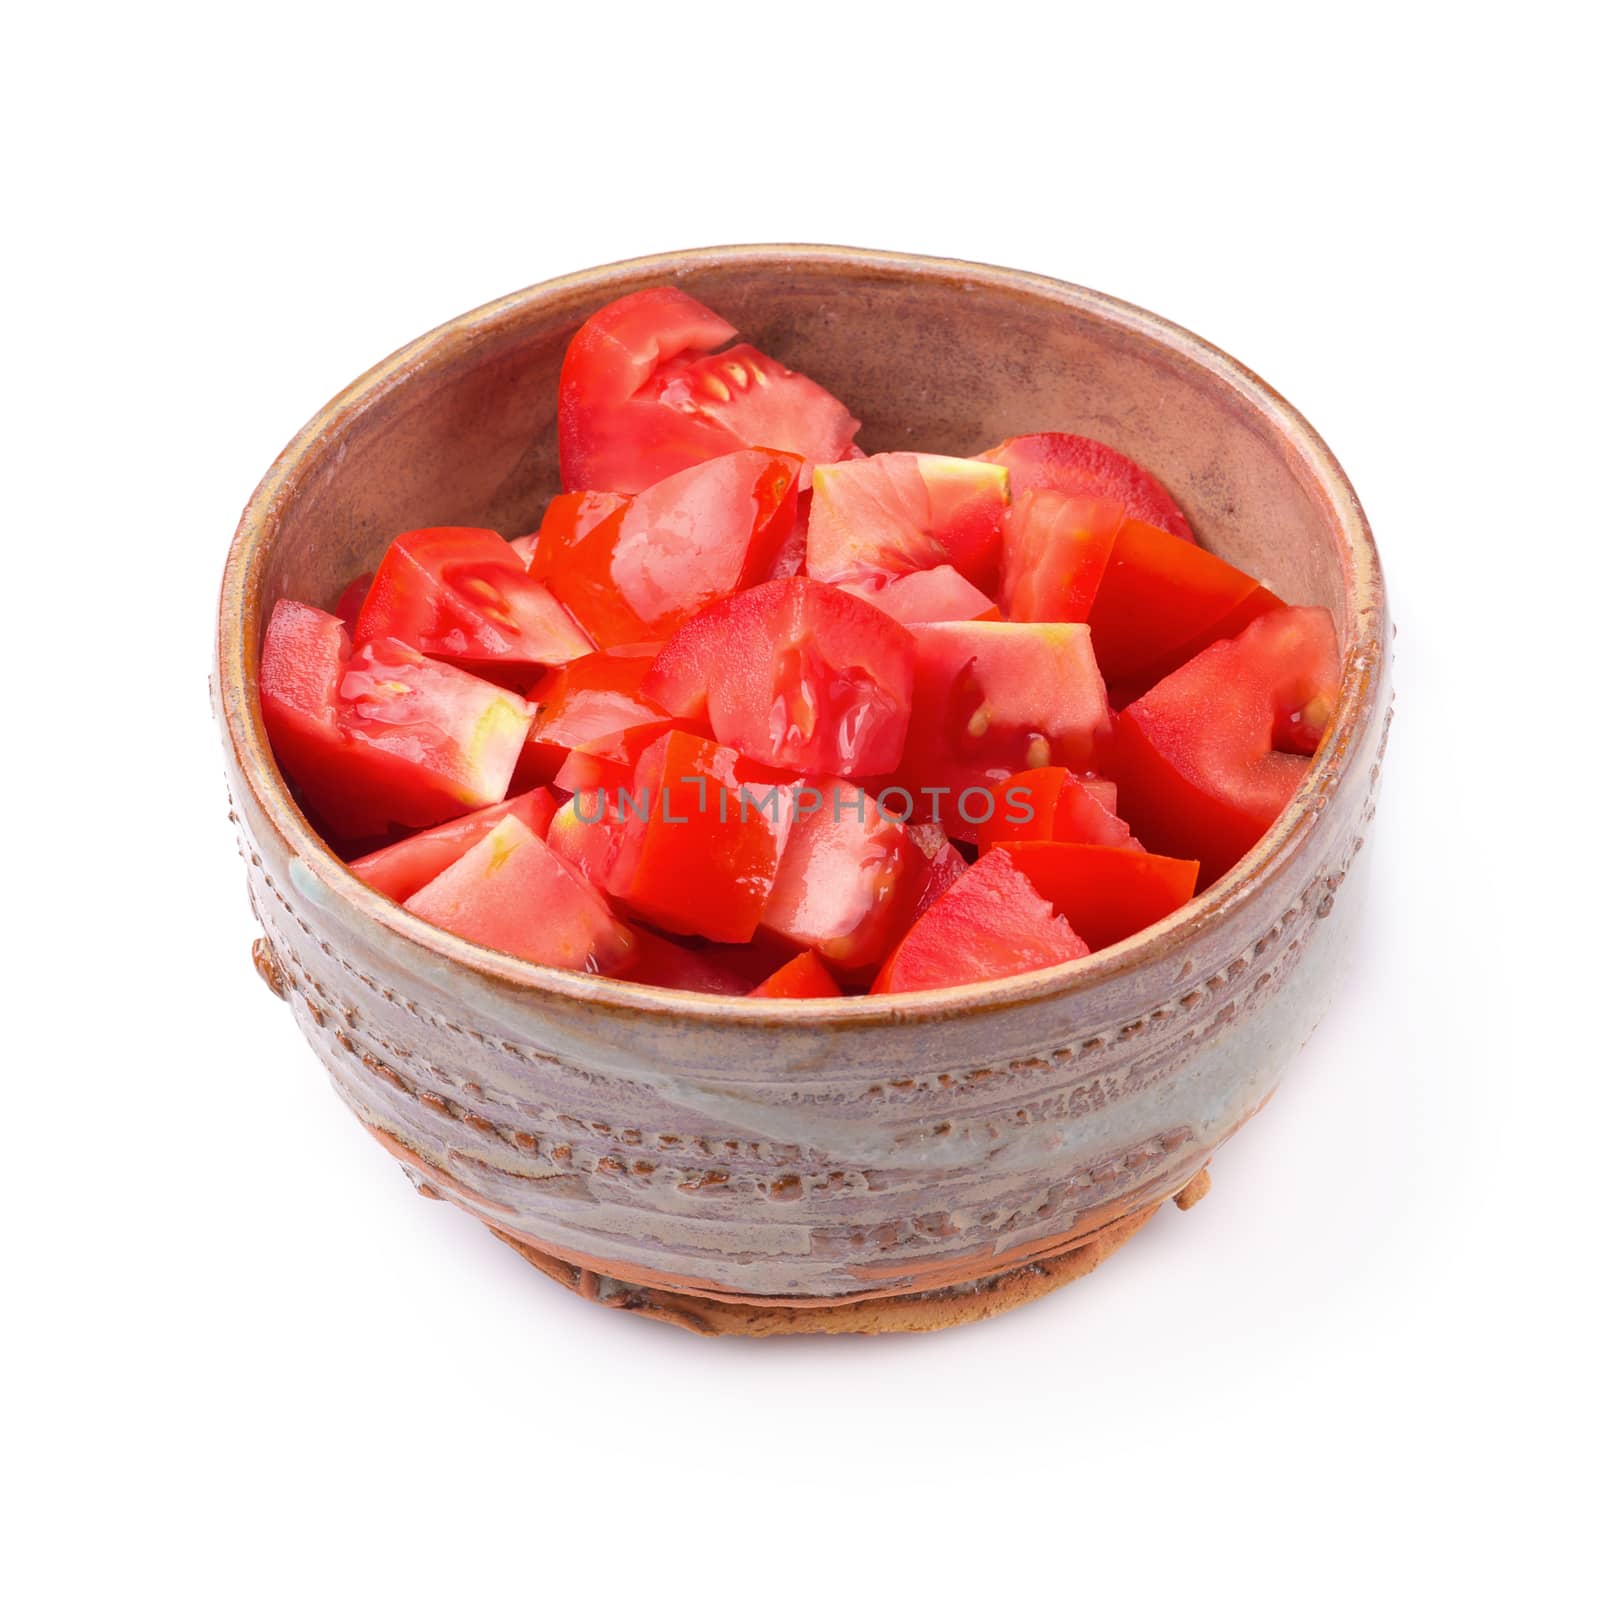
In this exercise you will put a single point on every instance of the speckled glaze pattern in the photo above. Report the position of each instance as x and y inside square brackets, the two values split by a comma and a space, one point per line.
[781, 1154]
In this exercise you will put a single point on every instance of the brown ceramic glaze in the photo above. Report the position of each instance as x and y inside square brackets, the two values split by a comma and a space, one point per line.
[770, 1166]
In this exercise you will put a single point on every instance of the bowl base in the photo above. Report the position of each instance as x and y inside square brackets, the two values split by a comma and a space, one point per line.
[908, 1313]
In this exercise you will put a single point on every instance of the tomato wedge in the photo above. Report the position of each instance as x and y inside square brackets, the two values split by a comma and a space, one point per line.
[938, 594]
[796, 674]
[640, 399]
[594, 704]
[464, 594]
[669, 965]
[698, 834]
[994, 698]
[400, 870]
[512, 892]
[1106, 893]
[638, 569]
[848, 876]
[384, 736]
[804, 978]
[1162, 600]
[1208, 758]
[887, 515]
[1054, 555]
[990, 923]
[351, 599]
[1051, 803]
[1073, 465]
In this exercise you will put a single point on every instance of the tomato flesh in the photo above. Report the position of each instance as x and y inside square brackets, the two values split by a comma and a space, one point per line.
[888, 515]
[796, 674]
[351, 599]
[994, 698]
[698, 835]
[990, 923]
[845, 876]
[1054, 555]
[400, 870]
[804, 978]
[1208, 758]
[596, 705]
[669, 965]
[938, 594]
[1051, 803]
[638, 568]
[1106, 893]
[640, 398]
[512, 892]
[1073, 465]
[465, 595]
[384, 735]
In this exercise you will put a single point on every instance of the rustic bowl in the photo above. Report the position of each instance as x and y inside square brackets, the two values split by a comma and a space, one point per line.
[772, 1166]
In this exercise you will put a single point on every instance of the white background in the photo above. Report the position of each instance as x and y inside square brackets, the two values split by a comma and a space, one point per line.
[244, 1359]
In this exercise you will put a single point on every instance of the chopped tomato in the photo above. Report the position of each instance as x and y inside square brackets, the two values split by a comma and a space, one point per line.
[525, 546]
[640, 400]
[804, 978]
[384, 736]
[990, 923]
[512, 892]
[794, 673]
[351, 599]
[892, 514]
[1054, 555]
[697, 838]
[994, 698]
[939, 594]
[669, 965]
[399, 870]
[464, 594]
[1073, 465]
[1051, 803]
[1106, 893]
[1209, 757]
[848, 875]
[638, 569]
[596, 705]
[1162, 600]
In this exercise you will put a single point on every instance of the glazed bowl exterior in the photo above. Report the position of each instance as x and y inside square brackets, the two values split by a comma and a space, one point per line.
[808, 1153]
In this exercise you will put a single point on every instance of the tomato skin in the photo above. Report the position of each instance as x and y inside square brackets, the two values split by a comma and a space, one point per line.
[796, 674]
[1162, 600]
[1106, 893]
[400, 870]
[510, 891]
[994, 698]
[640, 399]
[990, 923]
[1071, 464]
[847, 877]
[351, 599]
[688, 856]
[463, 594]
[936, 594]
[1051, 803]
[804, 978]
[669, 965]
[901, 512]
[1207, 759]
[1054, 555]
[639, 569]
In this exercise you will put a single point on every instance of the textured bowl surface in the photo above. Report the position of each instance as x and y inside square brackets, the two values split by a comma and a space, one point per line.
[786, 1153]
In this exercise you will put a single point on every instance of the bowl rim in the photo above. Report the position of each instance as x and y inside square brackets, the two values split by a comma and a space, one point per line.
[239, 633]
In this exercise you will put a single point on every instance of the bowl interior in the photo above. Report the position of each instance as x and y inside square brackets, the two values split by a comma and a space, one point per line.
[461, 428]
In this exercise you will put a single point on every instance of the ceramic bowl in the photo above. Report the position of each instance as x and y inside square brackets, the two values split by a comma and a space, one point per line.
[766, 1166]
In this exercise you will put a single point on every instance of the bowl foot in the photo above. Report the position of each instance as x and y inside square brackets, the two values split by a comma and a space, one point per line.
[908, 1313]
